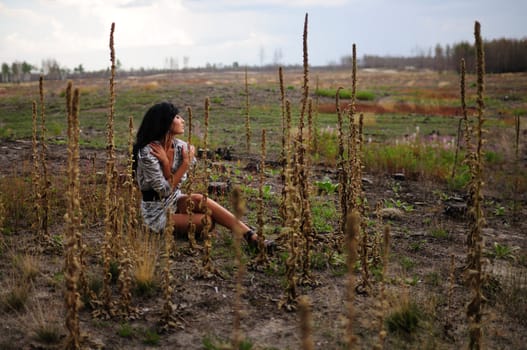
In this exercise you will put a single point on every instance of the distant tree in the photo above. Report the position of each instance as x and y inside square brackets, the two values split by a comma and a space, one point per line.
[5, 72]
[26, 71]
[448, 57]
[464, 50]
[505, 55]
[185, 62]
[16, 68]
[51, 68]
[79, 69]
[439, 58]
[501, 55]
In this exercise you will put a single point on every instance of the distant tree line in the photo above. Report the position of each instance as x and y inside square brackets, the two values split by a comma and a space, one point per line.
[16, 72]
[501, 56]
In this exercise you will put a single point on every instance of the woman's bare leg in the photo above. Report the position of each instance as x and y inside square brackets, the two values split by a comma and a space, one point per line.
[181, 225]
[218, 213]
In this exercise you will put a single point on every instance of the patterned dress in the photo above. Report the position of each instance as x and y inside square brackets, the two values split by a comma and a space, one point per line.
[150, 177]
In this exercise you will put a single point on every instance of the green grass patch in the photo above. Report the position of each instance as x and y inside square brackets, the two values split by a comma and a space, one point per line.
[346, 94]
[324, 214]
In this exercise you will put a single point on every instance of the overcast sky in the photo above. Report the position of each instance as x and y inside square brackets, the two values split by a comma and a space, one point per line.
[250, 32]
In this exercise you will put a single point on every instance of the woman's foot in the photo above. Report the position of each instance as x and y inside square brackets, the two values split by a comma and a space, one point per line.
[252, 241]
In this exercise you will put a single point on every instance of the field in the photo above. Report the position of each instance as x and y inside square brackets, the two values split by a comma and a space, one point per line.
[410, 129]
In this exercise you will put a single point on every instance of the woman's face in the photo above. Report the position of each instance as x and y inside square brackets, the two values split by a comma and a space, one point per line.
[178, 125]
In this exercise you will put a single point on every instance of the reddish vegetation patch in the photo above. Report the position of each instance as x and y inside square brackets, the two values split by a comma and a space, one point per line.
[397, 108]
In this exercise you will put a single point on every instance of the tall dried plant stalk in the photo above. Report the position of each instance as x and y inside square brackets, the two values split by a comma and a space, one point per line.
[354, 166]
[353, 189]
[72, 265]
[191, 233]
[286, 133]
[286, 166]
[110, 197]
[206, 221]
[262, 253]
[207, 265]
[474, 272]
[305, 85]
[352, 231]
[247, 119]
[376, 249]
[356, 197]
[45, 184]
[351, 113]
[301, 178]
[125, 256]
[129, 183]
[341, 167]
[291, 231]
[239, 209]
[206, 133]
[303, 182]
[35, 176]
[306, 328]
[167, 318]
[282, 110]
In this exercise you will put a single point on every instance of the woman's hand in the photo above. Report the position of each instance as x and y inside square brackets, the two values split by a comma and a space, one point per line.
[159, 152]
[164, 156]
[188, 154]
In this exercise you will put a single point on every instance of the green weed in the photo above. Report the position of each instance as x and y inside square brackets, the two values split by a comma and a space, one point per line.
[502, 251]
[125, 330]
[407, 263]
[417, 246]
[439, 233]
[326, 186]
[151, 337]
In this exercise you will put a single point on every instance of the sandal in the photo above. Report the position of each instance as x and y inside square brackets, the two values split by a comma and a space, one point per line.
[269, 244]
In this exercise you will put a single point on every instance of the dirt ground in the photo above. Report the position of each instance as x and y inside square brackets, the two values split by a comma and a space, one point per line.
[204, 306]
[426, 233]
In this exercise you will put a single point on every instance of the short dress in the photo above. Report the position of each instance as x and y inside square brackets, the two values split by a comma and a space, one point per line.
[150, 177]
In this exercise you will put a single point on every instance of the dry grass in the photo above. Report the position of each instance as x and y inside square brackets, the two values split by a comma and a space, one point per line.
[146, 247]
[29, 265]
[44, 324]
[15, 295]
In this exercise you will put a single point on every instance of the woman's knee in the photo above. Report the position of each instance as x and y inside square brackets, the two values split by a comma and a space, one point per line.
[196, 197]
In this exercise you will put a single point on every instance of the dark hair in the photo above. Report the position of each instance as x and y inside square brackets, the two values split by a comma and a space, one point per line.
[155, 125]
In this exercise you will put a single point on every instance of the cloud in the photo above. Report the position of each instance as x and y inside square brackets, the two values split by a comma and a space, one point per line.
[148, 31]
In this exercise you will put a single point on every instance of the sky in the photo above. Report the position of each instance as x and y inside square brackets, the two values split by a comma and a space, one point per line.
[194, 33]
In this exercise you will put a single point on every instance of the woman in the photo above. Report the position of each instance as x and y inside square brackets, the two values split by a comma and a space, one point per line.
[161, 162]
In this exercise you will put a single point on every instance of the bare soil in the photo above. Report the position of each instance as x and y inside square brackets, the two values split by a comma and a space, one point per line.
[205, 305]
[424, 238]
